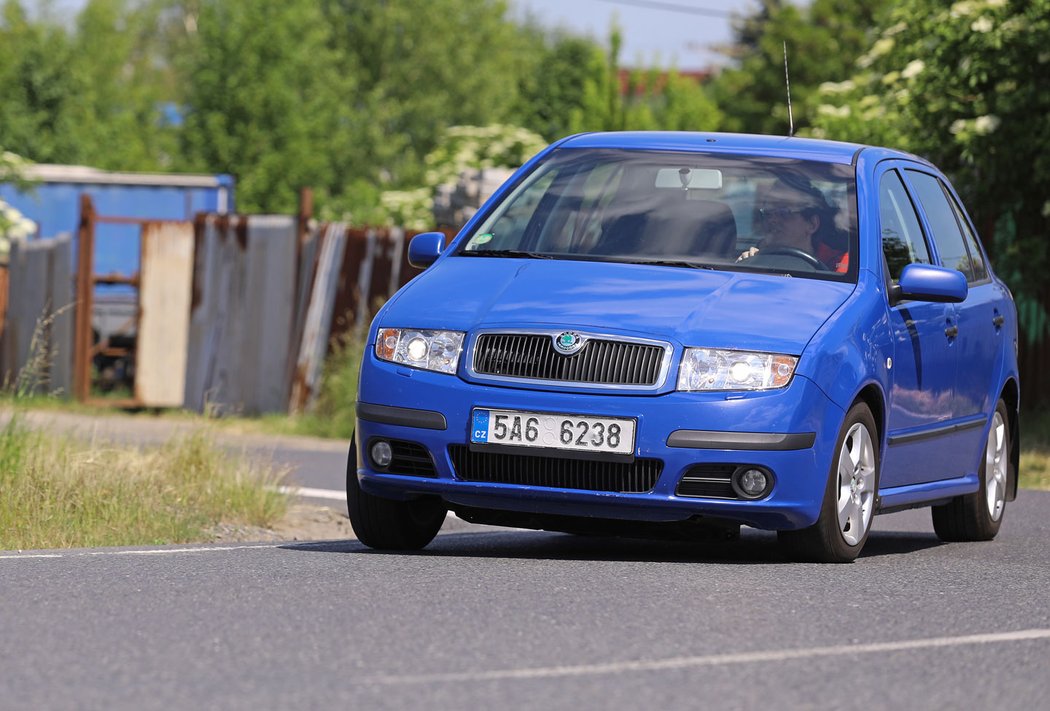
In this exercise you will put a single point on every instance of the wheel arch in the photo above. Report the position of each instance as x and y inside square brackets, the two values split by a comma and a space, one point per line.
[871, 395]
[1011, 395]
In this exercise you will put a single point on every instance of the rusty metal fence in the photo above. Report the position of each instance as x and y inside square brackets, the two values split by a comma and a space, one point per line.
[349, 273]
[240, 315]
[36, 334]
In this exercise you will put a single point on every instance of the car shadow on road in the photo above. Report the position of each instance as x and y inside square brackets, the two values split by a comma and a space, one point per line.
[753, 548]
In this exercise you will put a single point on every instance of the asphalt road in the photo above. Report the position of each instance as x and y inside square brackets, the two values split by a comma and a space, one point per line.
[535, 620]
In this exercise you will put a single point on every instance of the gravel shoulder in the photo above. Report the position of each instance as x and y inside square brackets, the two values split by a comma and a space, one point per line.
[303, 522]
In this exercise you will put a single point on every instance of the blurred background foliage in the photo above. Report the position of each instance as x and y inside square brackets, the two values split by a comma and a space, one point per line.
[348, 97]
[370, 103]
[960, 84]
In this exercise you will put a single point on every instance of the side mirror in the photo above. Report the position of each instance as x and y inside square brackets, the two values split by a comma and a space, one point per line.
[925, 282]
[425, 248]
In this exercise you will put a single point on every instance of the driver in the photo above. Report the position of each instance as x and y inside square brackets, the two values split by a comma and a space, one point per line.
[794, 215]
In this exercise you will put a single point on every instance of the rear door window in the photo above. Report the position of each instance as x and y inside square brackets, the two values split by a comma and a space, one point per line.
[945, 227]
[976, 256]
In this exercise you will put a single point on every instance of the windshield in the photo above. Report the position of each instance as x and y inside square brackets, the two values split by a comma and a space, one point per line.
[714, 211]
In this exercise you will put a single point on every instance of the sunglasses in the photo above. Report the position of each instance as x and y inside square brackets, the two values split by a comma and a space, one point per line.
[781, 213]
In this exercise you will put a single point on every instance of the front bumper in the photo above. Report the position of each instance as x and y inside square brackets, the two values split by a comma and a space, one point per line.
[791, 432]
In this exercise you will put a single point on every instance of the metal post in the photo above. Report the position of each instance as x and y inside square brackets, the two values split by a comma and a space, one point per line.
[82, 339]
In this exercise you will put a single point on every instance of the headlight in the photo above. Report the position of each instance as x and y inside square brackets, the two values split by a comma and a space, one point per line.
[709, 369]
[430, 350]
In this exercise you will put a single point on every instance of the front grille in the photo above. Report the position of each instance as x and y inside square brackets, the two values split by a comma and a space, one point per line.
[600, 361]
[710, 481]
[410, 458]
[638, 476]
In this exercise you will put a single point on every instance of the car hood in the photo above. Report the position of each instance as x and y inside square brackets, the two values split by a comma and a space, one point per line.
[694, 307]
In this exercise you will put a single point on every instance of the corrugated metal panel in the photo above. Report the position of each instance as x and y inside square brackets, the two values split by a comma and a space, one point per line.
[317, 328]
[61, 300]
[3, 304]
[164, 313]
[267, 316]
[215, 318]
[1033, 359]
[39, 307]
[244, 285]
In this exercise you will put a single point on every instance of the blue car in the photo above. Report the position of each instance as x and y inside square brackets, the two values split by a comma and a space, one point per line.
[681, 333]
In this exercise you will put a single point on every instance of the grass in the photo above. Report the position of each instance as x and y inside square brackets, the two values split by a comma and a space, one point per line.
[60, 493]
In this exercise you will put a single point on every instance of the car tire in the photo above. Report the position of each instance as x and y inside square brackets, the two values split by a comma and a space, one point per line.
[848, 506]
[978, 516]
[386, 524]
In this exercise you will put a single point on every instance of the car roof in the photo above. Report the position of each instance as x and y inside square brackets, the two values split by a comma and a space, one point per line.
[750, 144]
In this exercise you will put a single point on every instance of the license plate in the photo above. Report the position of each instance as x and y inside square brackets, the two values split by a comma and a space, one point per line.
[578, 433]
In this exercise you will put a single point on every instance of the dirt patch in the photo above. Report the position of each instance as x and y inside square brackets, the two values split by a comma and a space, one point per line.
[301, 523]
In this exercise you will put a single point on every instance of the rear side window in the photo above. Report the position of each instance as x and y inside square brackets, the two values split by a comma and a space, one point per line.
[902, 240]
[980, 271]
[946, 233]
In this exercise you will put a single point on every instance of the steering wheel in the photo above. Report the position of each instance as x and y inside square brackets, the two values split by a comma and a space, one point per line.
[796, 253]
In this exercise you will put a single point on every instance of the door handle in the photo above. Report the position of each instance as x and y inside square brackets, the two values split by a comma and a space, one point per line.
[951, 331]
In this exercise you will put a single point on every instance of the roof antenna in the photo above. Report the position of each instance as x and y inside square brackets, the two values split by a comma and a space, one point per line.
[787, 81]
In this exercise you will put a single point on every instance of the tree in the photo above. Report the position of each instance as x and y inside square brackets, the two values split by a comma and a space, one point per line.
[92, 95]
[684, 105]
[552, 93]
[421, 66]
[265, 100]
[823, 40]
[965, 86]
[36, 86]
[123, 88]
[647, 100]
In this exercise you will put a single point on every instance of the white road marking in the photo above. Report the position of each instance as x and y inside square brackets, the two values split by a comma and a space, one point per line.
[712, 660]
[162, 551]
[333, 494]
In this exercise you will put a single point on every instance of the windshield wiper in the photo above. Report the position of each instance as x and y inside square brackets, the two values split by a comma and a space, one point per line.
[671, 263]
[505, 253]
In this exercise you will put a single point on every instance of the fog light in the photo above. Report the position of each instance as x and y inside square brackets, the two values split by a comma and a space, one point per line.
[382, 455]
[752, 483]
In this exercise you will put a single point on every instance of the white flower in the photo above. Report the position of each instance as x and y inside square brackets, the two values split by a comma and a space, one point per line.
[958, 126]
[995, 3]
[962, 9]
[874, 113]
[833, 111]
[895, 29]
[913, 69]
[982, 24]
[984, 125]
[880, 48]
[841, 87]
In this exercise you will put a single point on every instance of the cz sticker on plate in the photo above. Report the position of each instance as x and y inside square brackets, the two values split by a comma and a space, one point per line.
[577, 433]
